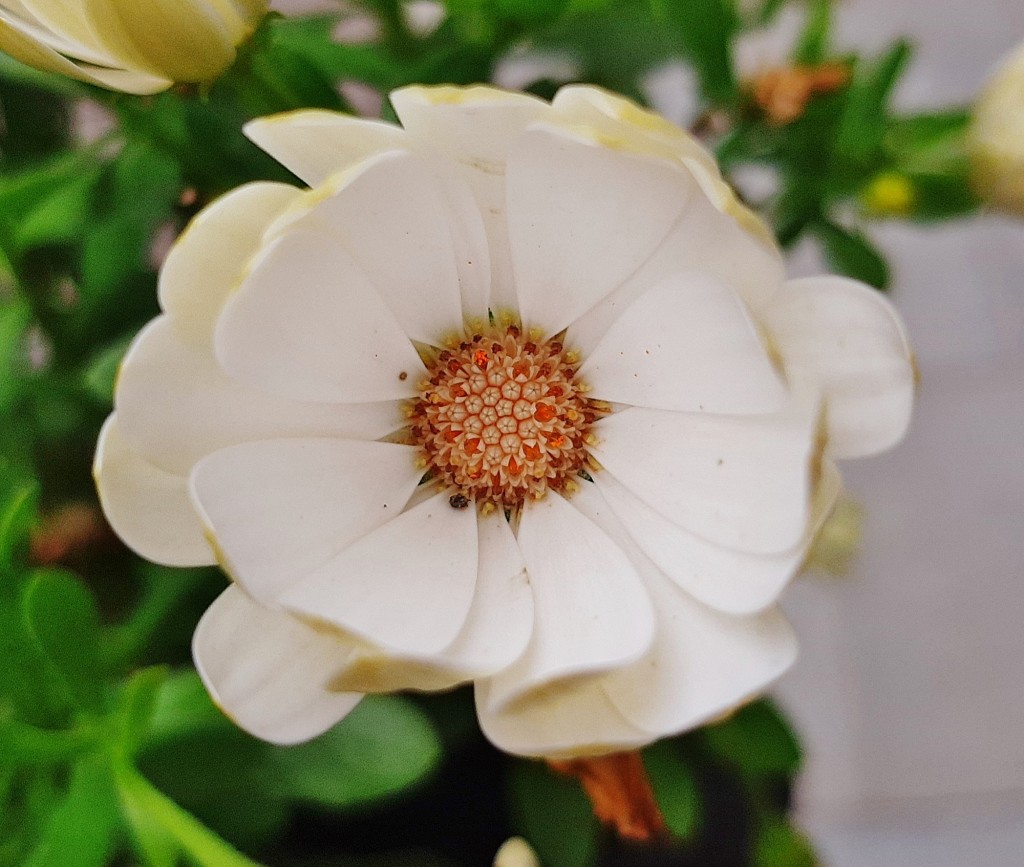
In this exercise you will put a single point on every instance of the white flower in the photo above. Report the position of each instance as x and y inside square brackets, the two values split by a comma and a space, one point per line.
[562, 319]
[997, 136]
[138, 46]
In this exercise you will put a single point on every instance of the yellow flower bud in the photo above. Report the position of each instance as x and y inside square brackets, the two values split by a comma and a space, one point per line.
[138, 47]
[997, 137]
[889, 194]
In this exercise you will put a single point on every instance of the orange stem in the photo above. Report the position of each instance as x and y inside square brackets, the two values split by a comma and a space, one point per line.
[620, 793]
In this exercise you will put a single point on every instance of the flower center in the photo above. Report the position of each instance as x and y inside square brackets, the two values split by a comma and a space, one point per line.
[501, 418]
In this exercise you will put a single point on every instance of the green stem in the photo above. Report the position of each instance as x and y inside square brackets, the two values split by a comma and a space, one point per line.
[146, 806]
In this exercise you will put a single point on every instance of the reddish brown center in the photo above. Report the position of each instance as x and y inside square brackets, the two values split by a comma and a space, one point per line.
[501, 418]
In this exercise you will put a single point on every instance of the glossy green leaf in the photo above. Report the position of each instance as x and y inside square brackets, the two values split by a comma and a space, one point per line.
[757, 739]
[100, 372]
[385, 746]
[675, 787]
[137, 705]
[83, 830]
[63, 625]
[17, 514]
[61, 216]
[554, 814]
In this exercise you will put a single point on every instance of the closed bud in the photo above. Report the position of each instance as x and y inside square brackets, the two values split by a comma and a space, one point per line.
[137, 47]
[997, 137]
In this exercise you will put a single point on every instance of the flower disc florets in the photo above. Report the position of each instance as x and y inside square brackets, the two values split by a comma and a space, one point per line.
[502, 417]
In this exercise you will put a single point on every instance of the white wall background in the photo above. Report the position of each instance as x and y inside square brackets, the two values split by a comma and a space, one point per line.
[910, 689]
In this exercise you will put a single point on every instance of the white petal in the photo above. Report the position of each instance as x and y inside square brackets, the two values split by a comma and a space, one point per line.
[495, 633]
[739, 481]
[471, 125]
[581, 219]
[500, 622]
[175, 405]
[703, 239]
[702, 665]
[734, 582]
[279, 509]
[406, 587]
[686, 344]
[314, 144]
[147, 507]
[269, 672]
[591, 611]
[702, 662]
[474, 127]
[209, 258]
[390, 216]
[565, 722]
[307, 324]
[843, 337]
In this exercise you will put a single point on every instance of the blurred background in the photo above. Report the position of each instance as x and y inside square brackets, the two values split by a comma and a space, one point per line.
[909, 691]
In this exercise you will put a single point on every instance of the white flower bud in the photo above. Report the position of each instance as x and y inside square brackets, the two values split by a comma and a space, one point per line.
[997, 137]
[137, 47]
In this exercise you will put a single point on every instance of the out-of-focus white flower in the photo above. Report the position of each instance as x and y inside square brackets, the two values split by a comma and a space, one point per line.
[516, 852]
[997, 137]
[515, 394]
[129, 45]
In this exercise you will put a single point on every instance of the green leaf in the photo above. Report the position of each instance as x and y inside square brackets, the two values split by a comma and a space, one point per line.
[863, 124]
[100, 372]
[675, 787]
[137, 706]
[705, 30]
[15, 316]
[554, 814]
[849, 252]
[17, 515]
[183, 708]
[60, 216]
[385, 746]
[780, 845]
[162, 827]
[812, 45]
[758, 740]
[942, 197]
[63, 624]
[82, 831]
[226, 778]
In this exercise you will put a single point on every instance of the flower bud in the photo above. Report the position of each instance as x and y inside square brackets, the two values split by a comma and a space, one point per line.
[126, 44]
[997, 137]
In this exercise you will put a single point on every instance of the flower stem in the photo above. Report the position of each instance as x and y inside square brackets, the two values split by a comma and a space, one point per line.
[146, 806]
[620, 792]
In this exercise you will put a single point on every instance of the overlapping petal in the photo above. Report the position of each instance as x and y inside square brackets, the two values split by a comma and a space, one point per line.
[201, 409]
[743, 482]
[279, 509]
[125, 45]
[148, 507]
[268, 671]
[845, 339]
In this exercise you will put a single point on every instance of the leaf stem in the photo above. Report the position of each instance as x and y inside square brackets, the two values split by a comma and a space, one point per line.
[145, 805]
